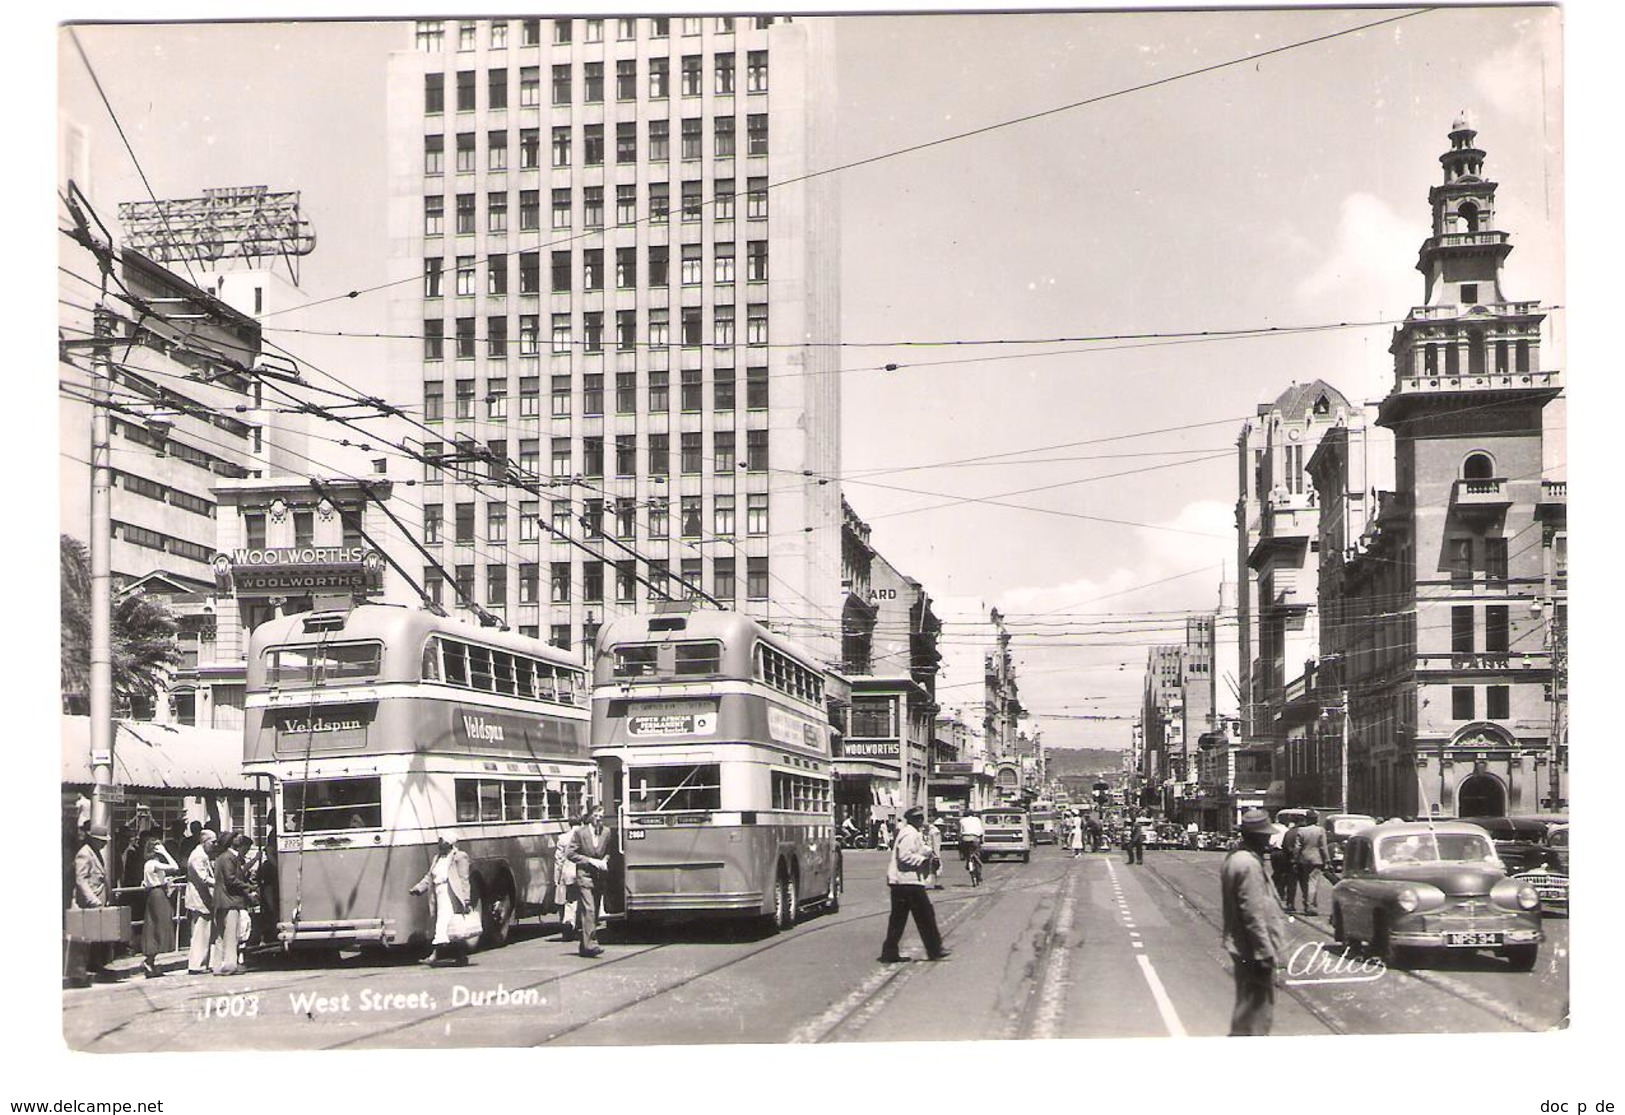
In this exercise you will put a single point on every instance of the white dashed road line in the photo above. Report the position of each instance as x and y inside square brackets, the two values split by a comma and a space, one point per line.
[1165, 1005]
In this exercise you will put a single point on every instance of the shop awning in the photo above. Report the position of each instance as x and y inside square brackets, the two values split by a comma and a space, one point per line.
[151, 756]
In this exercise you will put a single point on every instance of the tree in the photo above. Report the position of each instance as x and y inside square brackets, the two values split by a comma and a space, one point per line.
[145, 648]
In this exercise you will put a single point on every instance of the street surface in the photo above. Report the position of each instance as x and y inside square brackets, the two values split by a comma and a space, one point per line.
[1058, 948]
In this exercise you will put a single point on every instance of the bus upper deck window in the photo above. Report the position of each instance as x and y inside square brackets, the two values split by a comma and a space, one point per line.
[502, 671]
[431, 660]
[567, 687]
[524, 673]
[637, 661]
[479, 668]
[545, 689]
[699, 658]
[456, 660]
[352, 660]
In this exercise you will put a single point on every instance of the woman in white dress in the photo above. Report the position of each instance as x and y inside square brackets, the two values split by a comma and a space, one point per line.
[447, 885]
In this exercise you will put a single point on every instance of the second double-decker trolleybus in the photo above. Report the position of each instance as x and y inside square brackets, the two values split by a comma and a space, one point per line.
[712, 738]
[384, 727]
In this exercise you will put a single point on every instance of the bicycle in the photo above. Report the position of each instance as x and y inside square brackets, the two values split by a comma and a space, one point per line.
[973, 864]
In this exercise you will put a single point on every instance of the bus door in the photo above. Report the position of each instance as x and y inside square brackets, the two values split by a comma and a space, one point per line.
[612, 786]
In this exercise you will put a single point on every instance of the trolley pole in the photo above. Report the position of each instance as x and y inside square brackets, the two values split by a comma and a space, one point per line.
[101, 591]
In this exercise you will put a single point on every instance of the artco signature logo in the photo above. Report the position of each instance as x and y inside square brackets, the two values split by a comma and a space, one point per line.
[1312, 962]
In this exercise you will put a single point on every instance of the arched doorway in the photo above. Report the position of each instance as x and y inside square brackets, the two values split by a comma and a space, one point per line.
[1481, 795]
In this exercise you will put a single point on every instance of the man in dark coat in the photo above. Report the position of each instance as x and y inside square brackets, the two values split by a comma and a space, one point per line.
[232, 897]
[1310, 855]
[1254, 934]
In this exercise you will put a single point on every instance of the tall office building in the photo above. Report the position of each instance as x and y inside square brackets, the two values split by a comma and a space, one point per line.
[626, 289]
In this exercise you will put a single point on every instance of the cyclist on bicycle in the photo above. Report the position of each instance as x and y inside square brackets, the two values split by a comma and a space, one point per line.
[970, 837]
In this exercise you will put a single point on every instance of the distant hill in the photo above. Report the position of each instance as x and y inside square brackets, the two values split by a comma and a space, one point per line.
[1082, 762]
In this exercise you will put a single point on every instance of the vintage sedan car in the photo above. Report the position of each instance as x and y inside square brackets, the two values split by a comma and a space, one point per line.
[1412, 886]
[1522, 843]
[1550, 877]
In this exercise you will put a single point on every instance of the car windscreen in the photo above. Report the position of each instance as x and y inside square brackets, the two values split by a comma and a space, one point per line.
[1436, 847]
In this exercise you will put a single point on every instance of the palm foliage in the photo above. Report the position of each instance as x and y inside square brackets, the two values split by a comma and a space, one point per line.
[144, 644]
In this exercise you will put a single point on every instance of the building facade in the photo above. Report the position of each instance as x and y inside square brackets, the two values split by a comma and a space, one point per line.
[626, 288]
[1450, 601]
[889, 651]
[1277, 514]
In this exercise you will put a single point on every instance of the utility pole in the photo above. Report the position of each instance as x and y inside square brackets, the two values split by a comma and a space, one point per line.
[103, 792]
[101, 591]
[1343, 757]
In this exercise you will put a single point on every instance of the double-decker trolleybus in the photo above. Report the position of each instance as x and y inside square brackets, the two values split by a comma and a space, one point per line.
[382, 727]
[713, 742]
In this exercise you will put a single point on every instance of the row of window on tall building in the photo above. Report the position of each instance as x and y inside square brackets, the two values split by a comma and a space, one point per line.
[656, 82]
[621, 522]
[693, 206]
[562, 402]
[658, 578]
[430, 34]
[562, 337]
[563, 277]
[562, 146]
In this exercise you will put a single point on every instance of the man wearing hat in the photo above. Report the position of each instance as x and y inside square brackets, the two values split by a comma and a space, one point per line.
[89, 893]
[589, 851]
[908, 872]
[1253, 932]
[200, 901]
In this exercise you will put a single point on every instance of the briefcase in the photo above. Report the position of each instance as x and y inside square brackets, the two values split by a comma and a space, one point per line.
[99, 925]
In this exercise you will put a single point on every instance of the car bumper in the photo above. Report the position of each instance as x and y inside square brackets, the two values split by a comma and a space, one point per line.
[1456, 932]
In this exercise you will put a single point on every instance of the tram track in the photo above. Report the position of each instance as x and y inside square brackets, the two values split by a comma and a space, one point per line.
[553, 980]
[845, 1019]
[1450, 987]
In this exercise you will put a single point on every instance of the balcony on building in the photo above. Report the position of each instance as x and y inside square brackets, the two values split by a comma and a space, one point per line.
[1553, 501]
[1287, 522]
[1489, 492]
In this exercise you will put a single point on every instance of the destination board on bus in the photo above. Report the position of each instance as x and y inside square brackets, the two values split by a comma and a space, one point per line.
[485, 730]
[787, 727]
[663, 719]
[325, 728]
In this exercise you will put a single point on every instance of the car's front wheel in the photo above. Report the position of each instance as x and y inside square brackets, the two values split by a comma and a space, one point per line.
[1382, 943]
[1338, 934]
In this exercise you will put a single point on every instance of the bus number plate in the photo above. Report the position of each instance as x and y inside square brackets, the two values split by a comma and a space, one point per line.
[635, 834]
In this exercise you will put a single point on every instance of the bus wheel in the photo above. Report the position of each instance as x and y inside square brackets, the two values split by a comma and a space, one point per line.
[784, 899]
[496, 915]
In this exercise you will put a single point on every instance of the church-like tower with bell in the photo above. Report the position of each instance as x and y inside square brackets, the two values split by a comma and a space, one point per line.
[1455, 594]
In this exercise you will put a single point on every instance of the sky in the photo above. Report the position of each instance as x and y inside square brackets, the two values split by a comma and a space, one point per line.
[1286, 191]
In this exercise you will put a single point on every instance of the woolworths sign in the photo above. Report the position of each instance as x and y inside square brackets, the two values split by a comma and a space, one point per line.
[299, 571]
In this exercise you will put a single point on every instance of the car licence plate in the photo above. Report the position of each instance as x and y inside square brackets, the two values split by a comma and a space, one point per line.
[1472, 940]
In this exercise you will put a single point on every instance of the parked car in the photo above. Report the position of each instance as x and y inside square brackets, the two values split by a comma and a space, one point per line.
[1411, 887]
[1521, 842]
[1550, 877]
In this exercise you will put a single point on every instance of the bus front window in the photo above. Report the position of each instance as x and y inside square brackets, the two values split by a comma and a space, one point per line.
[331, 804]
[675, 789]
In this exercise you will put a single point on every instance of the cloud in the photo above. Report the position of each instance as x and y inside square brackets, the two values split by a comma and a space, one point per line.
[1358, 264]
[1510, 81]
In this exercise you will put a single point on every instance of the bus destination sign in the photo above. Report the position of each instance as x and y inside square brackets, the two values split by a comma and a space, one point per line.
[663, 719]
